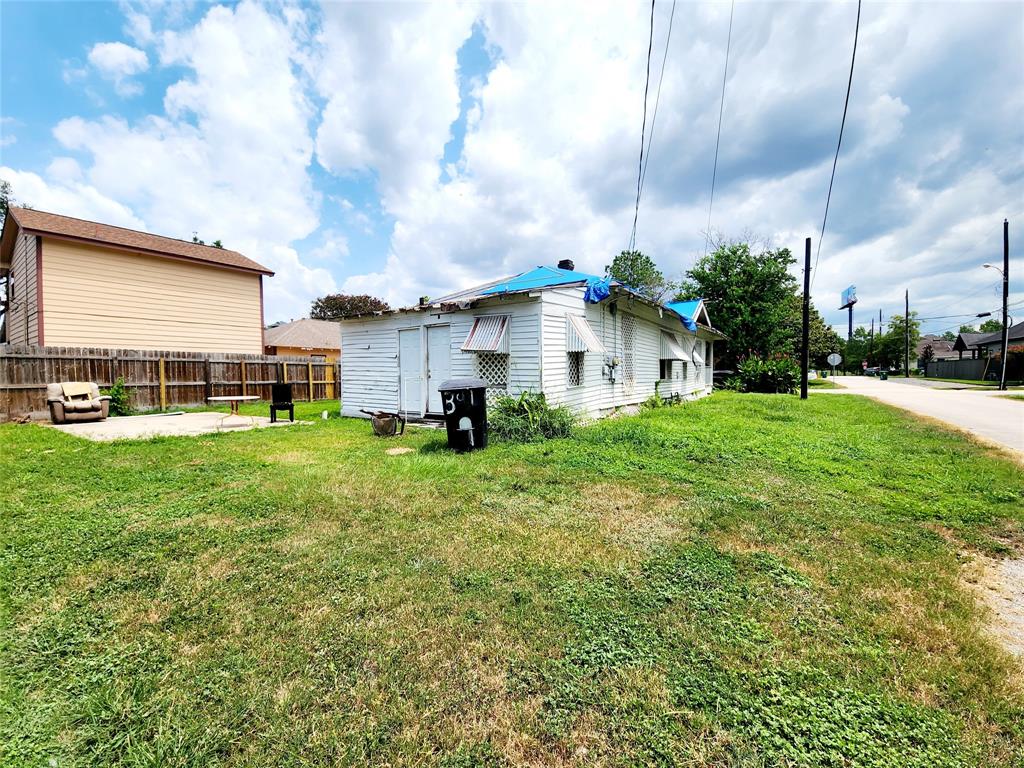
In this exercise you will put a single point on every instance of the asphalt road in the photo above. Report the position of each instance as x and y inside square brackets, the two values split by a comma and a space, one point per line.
[982, 413]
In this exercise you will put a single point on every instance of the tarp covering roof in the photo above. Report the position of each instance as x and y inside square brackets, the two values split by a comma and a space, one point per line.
[688, 311]
[539, 277]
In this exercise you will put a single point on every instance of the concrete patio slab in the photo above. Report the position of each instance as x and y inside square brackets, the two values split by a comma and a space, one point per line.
[165, 425]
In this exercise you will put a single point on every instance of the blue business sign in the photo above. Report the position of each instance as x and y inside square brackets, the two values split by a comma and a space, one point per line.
[849, 297]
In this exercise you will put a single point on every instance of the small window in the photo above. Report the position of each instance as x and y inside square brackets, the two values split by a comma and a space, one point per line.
[574, 368]
[665, 372]
[318, 358]
[492, 367]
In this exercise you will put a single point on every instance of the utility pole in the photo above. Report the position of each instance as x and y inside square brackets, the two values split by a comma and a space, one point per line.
[1006, 296]
[805, 342]
[881, 328]
[906, 333]
[871, 341]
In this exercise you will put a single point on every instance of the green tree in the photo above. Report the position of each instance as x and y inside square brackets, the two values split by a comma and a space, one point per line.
[338, 305]
[968, 329]
[991, 326]
[860, 348]
[751, 297]
[891, 346]
[638, 271]
[949, 336]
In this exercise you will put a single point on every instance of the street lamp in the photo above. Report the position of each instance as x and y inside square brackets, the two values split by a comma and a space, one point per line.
[1005, 272]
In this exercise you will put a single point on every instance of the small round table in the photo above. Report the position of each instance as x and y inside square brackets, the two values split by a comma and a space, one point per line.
[233, 401]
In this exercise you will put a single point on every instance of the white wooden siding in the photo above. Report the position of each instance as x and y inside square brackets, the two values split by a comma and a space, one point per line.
[597, 395]
[369, 350]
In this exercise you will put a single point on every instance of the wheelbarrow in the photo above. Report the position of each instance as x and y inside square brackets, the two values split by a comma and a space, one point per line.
[385, 424]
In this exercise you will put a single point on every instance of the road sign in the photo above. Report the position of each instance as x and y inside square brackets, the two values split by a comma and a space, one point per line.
[834, 359]
[864, 364]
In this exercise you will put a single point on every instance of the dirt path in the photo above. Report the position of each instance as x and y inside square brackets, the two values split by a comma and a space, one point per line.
[999, 584]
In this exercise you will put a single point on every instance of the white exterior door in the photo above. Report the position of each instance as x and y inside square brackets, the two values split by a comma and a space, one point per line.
[410, 371]
[439, 363]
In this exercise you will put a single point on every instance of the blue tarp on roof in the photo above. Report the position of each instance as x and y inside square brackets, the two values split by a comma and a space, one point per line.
[688, 311]
[597, 289]
[540, 277]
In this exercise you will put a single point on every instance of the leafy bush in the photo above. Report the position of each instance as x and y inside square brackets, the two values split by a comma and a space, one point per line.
[778, 374]
[528, 418]
[120, 405]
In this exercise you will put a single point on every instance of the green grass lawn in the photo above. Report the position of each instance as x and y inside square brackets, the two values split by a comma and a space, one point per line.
[822, 384]
[741, 581]
[1011, 397]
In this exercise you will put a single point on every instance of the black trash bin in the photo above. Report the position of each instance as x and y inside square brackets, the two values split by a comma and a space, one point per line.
[464, 402]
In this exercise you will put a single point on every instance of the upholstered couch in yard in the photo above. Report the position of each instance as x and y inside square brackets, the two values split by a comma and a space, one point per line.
[76, 401]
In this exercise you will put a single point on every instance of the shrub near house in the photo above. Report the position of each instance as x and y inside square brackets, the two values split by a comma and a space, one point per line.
[777, 374]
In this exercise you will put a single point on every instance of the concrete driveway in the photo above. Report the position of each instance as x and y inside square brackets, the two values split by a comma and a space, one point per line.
[982, 413]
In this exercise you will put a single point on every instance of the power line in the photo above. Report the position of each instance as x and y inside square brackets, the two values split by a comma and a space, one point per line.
[835, 161]
[643, 131]
[657, 97]
[718, 138]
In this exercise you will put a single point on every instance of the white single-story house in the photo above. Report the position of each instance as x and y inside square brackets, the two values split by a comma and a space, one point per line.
[587, 342]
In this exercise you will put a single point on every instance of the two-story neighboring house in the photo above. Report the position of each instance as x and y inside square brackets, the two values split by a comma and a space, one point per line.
[77, 283]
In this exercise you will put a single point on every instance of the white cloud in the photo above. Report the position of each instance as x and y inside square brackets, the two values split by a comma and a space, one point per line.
[118, 62]
[69, 198]
[228, 158]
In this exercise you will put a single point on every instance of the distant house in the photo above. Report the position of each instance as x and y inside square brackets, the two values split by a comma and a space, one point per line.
[80, 283]
[941, 349]
[967, 342]
[992, 343]
[584, 341]
[318, 339]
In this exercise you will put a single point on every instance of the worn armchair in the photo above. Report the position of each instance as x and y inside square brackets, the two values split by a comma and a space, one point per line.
[72, 401]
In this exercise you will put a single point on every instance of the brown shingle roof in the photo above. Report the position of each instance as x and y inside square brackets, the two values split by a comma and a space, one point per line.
[105, 234]
[311, 334]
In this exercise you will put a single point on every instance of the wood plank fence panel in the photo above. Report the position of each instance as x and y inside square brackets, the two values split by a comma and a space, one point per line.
[187, 379]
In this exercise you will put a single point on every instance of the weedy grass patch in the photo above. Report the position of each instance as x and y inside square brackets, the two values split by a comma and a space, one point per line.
[743, 580]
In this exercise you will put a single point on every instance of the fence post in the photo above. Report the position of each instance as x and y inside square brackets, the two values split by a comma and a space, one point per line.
[310, 369]
[244, 386]
[285, 369]
[163, 385]
[207, 379]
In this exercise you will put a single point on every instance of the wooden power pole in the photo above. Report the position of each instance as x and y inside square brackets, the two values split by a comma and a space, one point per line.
[1006, 297]
[906, 333]
[805, 342]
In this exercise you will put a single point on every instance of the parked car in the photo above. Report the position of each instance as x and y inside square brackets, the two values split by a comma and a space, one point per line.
[873, 371]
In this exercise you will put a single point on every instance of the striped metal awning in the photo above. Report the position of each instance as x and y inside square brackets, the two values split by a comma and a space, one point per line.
[580, 337]
[488, 334]
[671, 349]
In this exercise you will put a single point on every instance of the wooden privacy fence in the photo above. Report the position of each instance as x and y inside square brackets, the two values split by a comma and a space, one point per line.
[155, 379]
[958, 369]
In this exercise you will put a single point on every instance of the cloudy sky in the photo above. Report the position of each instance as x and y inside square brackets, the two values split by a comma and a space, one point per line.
[411, 149]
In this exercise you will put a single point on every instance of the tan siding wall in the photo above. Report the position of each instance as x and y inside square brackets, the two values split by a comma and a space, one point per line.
[332, 354]
[95, 297]
[23, 324]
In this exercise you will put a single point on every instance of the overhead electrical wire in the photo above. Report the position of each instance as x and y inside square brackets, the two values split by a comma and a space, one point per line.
[718, 138]
[657, 97]
[643, 131]
[842, 125]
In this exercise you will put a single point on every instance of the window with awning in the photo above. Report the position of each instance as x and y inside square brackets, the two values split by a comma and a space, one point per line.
[580, 337]
[488, 334]
[671, 349]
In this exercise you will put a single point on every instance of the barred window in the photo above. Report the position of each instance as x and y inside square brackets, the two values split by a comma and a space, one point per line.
[492, 367]
[574, 368]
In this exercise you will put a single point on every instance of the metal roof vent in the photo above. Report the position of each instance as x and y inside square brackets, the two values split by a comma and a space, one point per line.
[566, 264]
